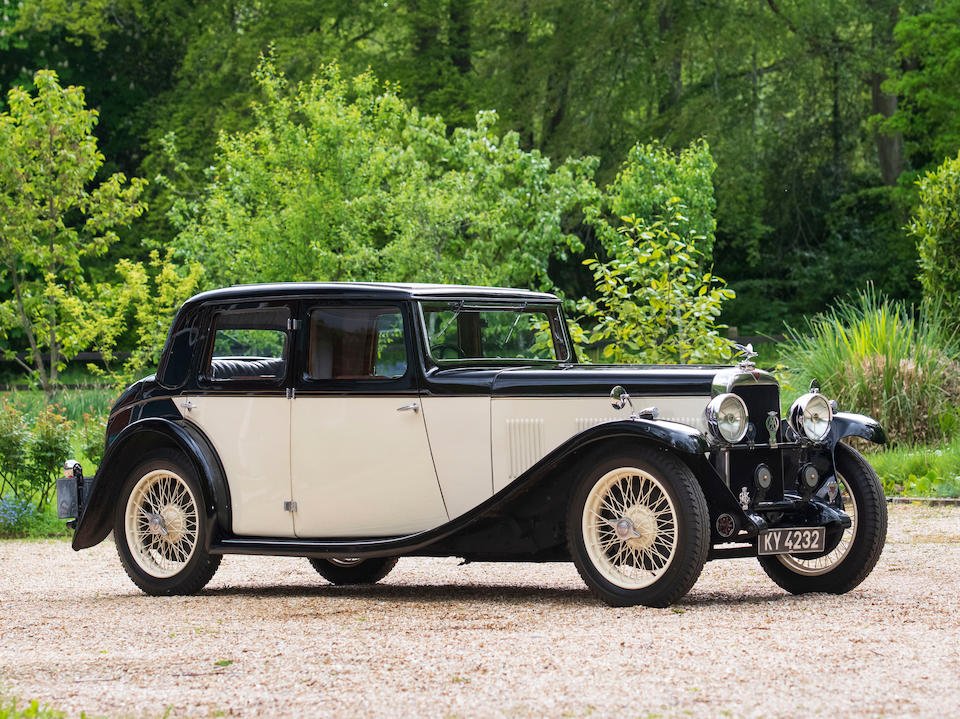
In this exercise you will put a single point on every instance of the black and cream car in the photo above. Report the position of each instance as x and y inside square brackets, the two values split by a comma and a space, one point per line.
[353, 424]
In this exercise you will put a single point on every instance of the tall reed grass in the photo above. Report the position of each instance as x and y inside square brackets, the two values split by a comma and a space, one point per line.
[883, 358]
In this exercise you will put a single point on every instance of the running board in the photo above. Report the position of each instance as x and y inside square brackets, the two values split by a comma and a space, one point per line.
[323, 548]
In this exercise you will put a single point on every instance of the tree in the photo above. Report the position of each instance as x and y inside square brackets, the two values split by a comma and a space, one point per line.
[53, 216]
[656, 303]
[342, 180]
[936, 227]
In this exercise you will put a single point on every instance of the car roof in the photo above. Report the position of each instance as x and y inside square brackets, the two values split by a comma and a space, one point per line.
[370, 290]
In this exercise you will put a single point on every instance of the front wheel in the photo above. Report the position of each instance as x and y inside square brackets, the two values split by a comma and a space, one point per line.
[160, 529]
[859, 548]
[638, 529]
[354, 570]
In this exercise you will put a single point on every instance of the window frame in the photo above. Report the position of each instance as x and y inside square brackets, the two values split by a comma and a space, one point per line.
[270, 384]
[405, 383]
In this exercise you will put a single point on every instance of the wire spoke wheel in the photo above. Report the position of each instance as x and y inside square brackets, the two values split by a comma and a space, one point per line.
[629, 528]
[847, 564]
[161, 523]
[817, 566]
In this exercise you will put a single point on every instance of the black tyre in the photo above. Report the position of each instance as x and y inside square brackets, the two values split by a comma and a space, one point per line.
[858, 550]
[354, 570]
[160, 527]
[638, 529]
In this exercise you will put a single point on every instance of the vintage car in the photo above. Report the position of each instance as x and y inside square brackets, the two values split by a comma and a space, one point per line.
[353, 424]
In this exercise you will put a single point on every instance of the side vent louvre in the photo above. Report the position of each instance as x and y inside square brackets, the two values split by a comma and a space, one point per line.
[526, 444]
[588, 422]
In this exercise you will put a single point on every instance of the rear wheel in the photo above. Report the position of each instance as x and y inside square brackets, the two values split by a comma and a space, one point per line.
[160, 527]
[853, 558]
[638, 529]
[354, 570]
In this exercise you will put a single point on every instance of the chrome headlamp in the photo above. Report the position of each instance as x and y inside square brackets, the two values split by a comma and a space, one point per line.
[727, 418]
[811, 416]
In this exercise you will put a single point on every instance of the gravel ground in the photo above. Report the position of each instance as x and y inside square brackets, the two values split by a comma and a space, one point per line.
[269, 638]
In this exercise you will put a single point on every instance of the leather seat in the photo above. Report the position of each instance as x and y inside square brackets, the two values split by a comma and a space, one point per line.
[233, 367]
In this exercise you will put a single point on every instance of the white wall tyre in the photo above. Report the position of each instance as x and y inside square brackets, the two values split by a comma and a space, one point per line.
[848, 564]
[354, 570]
[638, 528]
[160, 527]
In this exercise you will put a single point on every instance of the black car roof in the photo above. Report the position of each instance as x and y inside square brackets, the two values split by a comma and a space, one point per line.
[370, 290]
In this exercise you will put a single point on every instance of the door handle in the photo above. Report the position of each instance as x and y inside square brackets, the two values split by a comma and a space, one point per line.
[412, 407]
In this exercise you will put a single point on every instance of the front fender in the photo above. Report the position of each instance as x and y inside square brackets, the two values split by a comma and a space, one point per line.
[138, 438]
[848, 424]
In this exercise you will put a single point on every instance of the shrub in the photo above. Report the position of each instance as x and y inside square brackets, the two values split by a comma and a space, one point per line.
[879, 357]
[48, 448]
[32, 452]
[13, 440]
[655, 304]
[936, 227]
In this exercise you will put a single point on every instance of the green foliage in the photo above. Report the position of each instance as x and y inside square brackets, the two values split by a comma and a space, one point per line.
[653, 179]
[920, 471]
[145, 298]
[936, 227]
[12, 709]
[13, 442]
[20, 519]
[342, 180]
[655, 304]
[47, 449]
[928, 46]
[53, 218]
[33, 453]
[878, 357]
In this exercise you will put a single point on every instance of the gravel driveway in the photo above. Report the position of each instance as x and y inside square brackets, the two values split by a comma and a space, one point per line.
[269, 638]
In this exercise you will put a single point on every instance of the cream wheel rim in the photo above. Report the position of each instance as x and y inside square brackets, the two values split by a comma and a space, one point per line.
[822, 565]
[161, 523]
[629, 528]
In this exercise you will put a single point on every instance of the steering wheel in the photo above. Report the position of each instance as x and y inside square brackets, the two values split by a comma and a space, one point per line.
[447, 350]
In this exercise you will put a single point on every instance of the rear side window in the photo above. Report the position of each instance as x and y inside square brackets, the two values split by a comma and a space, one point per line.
[356, 343]
[249, 344]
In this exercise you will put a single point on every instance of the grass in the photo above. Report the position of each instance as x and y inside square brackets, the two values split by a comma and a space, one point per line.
[20, 519]
[13, 709]
[882, 358]
[75, 402]
[920, 471]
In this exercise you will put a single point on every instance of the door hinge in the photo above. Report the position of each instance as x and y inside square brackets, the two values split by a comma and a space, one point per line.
[291, 393]
[293, 324]
[289, 506]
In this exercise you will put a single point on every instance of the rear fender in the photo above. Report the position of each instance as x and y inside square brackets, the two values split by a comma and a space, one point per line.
[127, 449]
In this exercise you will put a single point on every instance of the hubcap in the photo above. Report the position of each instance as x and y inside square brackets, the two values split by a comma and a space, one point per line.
[161, 522]
[630, 528]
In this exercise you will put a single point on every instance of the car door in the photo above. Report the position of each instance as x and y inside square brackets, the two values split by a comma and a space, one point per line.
[360, 461]
[241, 405]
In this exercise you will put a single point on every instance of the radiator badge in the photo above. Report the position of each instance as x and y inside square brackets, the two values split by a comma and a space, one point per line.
[773, 424]
[744, 498]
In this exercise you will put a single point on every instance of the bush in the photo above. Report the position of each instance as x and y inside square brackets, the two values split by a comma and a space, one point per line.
[936, 227]
[877, 356]
[655, 304]
[32, 452]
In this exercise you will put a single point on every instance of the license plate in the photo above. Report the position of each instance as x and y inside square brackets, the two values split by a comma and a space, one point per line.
[792, 540]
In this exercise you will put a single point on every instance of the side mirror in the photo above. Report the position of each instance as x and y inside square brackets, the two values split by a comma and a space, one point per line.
[620, 398]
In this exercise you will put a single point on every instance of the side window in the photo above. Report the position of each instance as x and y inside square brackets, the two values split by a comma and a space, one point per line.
[350, 343]
[249, 344]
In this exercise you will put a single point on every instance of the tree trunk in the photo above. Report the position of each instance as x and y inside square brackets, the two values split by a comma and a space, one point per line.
[889, 146]
[31, 337]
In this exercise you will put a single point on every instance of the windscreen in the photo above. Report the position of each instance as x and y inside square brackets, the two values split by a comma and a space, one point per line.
[457, 331]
